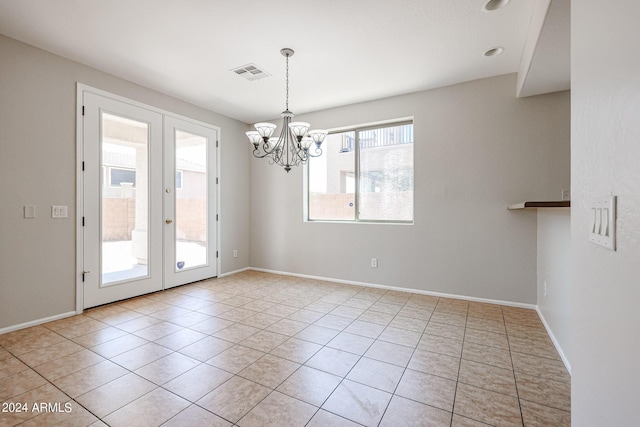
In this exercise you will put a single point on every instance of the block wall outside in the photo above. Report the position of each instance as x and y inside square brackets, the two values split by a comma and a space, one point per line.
[118, 219]
[389, 206]
[191, 219]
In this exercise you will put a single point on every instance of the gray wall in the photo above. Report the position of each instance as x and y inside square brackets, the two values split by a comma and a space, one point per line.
[477, 149]
[38, 164]
[554, 269]
[605, 160]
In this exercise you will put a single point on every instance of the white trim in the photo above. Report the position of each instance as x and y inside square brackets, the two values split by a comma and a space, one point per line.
[305, 192]
[37, 322]
[362, 222]
[79, 199]
[230, 273]
[554, 340]
[86, 88]
[218, 199]
[396, 288]
[372, 124]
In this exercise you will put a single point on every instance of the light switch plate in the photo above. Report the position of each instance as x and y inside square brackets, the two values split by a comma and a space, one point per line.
[59, 211]
[602, 221]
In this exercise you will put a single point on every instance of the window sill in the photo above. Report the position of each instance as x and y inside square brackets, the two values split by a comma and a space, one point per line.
[327, 221]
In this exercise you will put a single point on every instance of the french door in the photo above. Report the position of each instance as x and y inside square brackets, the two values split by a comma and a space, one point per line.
[148, 200]
[189, 202]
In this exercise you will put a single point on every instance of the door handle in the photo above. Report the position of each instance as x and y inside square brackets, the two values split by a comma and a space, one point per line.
[168, 221]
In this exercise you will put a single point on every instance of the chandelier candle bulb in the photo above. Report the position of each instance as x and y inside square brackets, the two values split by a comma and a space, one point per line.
[291, 148]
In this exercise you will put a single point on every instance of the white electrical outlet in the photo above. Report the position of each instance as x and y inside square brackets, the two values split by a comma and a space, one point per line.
[374, 262]
[566, 194]
[235, 253]
[544, 289]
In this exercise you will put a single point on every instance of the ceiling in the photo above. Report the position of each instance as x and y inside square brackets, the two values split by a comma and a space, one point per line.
[347, 51]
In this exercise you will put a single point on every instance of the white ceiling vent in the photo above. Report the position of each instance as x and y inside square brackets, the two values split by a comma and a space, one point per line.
[251, 72]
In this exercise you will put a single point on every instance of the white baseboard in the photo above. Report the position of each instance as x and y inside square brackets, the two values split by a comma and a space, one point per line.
[36, 322]
[554, 340]
[229, 273]
[396, 288]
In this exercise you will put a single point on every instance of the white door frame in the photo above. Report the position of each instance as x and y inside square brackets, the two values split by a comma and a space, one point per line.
[80, 90]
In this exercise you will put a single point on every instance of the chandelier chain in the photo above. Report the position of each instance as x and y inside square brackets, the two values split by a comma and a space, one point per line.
[287, 100]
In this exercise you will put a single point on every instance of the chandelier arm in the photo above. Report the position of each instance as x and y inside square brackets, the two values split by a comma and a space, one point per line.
[301, 155]
[273, 154]
[288, 154]
[290, 157]
[277, 157]
[256, 153]
[318, 152]
[285, 147]
[279, 150]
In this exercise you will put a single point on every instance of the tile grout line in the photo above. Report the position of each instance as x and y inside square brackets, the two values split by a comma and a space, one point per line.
[455, 393]
[513, 369]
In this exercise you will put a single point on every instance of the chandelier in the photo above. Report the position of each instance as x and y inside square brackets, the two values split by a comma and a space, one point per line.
[291, 148]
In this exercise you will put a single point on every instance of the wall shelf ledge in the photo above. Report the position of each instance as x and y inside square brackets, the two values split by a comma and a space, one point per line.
[537, 205]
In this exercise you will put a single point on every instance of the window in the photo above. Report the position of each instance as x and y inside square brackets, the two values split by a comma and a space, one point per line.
[364, 174]
[118, 176]
[178, 180]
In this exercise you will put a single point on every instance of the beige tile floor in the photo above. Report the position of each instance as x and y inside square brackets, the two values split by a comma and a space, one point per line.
[257, 349]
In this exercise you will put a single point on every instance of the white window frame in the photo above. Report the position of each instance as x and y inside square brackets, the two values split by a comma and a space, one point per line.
[181, 173]
[110, 169]
[356, 147]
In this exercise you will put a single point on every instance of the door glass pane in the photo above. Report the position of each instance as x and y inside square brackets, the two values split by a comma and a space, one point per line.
[386, 174]
[125, 198]
[191, 200]
[332, 179]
